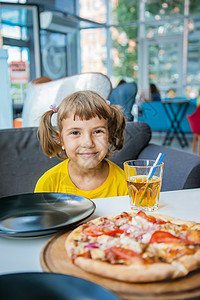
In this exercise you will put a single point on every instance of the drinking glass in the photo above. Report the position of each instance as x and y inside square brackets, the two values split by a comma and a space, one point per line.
[144, 190]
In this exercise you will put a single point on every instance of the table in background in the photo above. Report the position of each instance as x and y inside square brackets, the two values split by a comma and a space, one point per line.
[175, 110]
[23, 254]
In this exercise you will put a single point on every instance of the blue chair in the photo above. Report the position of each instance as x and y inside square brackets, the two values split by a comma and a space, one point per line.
[124, 95]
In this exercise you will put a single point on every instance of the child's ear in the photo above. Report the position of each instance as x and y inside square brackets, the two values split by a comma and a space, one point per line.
[58, 135]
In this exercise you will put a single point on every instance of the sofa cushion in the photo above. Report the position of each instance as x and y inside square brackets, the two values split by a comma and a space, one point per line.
[22, 160]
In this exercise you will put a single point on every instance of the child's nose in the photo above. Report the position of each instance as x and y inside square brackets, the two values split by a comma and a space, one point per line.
[88, 140]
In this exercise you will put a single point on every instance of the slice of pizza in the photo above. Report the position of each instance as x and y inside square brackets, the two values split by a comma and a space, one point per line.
[136, 247]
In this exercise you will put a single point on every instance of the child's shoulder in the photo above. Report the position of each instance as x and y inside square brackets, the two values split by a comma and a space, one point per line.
[114, 167]
[59, 166]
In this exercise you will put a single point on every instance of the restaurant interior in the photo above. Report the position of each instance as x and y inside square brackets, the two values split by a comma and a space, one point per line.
[139, 41]
[143, 55]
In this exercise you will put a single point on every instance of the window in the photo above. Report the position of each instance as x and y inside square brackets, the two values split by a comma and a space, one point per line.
[93, 50]
[94, 10]
[124, 53]
[124, 11]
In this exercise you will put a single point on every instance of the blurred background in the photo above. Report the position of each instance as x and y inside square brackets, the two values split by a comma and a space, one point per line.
[142, 41]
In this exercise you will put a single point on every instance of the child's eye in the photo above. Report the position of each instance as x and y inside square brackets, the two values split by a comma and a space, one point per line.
[75, 133]
[98, 131]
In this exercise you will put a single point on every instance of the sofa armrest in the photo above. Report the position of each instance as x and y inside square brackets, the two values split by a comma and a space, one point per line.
[181, 169]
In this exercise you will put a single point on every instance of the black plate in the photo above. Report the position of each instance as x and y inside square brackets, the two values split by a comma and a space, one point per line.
[40, 286]
[34, 214]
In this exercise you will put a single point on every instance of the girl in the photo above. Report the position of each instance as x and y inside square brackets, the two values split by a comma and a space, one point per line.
[88, 130]
[154, 93]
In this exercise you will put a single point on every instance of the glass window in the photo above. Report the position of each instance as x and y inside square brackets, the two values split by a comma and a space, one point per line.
[156, 9]
[11, 31]
[94, 10]
[163, 64]
[164, 28]
[54, 54]
[62, 5]
[193, 65]
[124, 11]
[17, 30]
[18, 90]
[14, 22]
[14, 1]
[124, 53]
[194, 6]
[14, 53]
[93, 50]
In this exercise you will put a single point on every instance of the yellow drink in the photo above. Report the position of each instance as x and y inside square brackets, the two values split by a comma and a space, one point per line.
[144, 192]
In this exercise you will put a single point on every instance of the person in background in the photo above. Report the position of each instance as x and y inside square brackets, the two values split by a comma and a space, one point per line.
[41, 79]
[88, 130]
[153, 92]
[122, 81]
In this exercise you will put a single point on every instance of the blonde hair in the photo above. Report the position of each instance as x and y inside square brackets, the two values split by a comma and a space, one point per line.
[84, 105]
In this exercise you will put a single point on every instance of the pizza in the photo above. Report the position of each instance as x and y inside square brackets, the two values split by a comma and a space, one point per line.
[136, 247]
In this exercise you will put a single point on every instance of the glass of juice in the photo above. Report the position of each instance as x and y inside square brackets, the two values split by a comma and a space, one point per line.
[144, 192]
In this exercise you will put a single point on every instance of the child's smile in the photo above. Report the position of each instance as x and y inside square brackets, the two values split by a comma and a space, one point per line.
[85, 141]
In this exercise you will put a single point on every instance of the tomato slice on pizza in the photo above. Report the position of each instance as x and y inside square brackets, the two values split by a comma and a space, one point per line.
[95, 231]
[164, 237]
[150, 218]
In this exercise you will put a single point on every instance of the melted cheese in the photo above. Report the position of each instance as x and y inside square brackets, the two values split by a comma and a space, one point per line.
[132, 244]
[97, 254]
[146, 237]
[141, 222]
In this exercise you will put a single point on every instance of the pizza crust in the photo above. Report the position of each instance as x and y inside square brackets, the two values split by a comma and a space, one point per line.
[138, 272]
[128, 273]
[175, 220]
[191, 262]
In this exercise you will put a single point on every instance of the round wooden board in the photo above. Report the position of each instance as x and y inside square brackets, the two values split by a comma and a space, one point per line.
[54, 259]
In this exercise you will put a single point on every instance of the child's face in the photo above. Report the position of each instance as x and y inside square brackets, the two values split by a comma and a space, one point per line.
[85, 141]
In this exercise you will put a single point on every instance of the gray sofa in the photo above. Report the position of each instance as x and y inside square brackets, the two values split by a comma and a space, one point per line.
[22, 161]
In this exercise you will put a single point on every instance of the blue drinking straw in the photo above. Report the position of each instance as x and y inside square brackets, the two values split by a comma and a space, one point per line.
[158, 161]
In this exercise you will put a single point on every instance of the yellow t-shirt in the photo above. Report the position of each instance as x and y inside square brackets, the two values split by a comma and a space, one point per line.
[57, 180]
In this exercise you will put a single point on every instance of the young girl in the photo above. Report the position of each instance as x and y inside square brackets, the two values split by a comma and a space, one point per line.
[88, 130]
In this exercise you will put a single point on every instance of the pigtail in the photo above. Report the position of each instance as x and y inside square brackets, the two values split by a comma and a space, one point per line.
[48, 136]
[116, 127]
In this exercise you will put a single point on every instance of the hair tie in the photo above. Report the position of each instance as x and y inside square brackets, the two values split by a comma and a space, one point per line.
[54, 108]
[108, 102]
